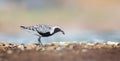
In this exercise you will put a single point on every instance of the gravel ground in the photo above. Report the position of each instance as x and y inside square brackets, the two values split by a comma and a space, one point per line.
[62, 51]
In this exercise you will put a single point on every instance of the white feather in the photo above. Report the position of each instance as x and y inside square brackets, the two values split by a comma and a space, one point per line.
[53, 29]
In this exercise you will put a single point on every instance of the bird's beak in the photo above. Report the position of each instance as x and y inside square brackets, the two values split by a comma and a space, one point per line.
[63, 32]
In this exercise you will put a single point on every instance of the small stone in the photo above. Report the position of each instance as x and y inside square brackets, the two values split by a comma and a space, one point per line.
[63, 43]
[9, 51]
[71, 47]
[2, 48]
[43, 49]
[38, 48]
[84, 50]
[21, 47]
[30, 46]
[91, 44]
[112, 43]
[118, 44]
[60, 48]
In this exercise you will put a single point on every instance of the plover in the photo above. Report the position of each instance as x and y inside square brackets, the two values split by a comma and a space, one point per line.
[43, 30]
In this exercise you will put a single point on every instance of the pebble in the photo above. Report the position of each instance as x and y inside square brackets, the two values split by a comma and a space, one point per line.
[9, 51]
[112, 43]
[58, 46]
[51, 48]
[30, 46]
[21, 47]
[84, 50]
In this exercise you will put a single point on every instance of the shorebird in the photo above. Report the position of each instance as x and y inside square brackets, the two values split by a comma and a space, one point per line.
[43, 30]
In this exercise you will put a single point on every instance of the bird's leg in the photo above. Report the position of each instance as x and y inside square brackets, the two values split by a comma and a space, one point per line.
[39, 40]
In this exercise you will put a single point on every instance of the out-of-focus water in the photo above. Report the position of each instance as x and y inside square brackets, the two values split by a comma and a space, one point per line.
[27, 38]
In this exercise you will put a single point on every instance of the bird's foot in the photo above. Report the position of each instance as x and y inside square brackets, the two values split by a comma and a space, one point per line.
[40, 47]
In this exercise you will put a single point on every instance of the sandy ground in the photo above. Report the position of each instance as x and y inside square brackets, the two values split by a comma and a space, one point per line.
[60, 52]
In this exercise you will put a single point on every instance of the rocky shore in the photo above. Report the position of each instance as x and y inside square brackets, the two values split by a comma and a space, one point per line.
[60, 51]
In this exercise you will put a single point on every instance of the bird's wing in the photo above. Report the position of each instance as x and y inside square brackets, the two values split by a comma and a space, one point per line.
[37, 28]
[30, 29]
[43, 28]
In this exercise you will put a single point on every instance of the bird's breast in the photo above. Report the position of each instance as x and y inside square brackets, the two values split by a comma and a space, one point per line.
[47, 34]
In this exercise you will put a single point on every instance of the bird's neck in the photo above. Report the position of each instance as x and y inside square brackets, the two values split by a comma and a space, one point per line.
[55, 31]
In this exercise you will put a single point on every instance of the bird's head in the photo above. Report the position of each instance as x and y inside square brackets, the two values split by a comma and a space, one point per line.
[57, 29]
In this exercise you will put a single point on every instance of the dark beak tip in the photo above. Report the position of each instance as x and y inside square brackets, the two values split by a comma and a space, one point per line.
[63, 33]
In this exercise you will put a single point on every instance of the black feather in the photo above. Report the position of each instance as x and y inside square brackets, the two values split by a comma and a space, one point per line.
[23, 27]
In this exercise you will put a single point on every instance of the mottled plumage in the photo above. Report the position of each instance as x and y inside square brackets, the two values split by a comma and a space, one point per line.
[42, 30]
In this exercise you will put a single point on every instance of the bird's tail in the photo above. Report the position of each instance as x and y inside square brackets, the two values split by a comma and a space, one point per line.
[23, 27]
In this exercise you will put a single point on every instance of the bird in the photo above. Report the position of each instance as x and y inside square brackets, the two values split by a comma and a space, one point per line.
[42, 30]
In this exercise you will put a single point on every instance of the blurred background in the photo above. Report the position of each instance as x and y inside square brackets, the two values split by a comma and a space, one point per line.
[82, 20]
